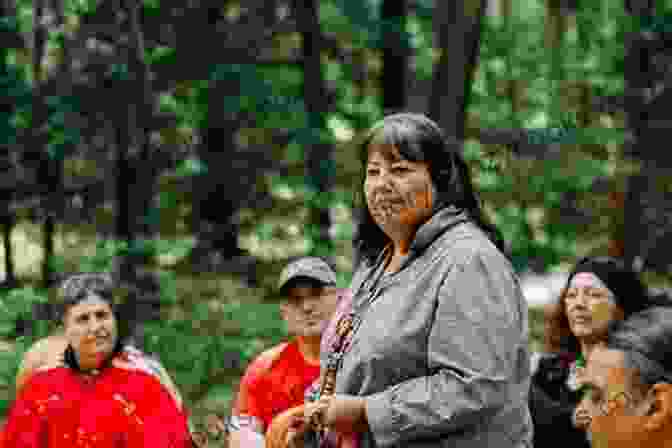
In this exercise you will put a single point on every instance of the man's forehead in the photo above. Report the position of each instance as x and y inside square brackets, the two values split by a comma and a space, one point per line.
[606, 367]
[379, 151]
[90, 303]
[307, 289]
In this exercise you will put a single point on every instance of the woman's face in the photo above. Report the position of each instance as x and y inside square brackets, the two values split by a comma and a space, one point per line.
[590, 307]
[91, 330]
[399, 193]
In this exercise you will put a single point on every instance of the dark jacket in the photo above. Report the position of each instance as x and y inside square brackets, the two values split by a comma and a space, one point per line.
[441, 356]
[552, 404]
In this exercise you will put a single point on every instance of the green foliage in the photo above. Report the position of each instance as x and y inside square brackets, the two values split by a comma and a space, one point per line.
[18, 304]
[15, 88]
[61, 135]
[355, 19]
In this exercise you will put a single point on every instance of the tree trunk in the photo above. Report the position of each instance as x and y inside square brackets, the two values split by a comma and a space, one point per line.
[512, 84]
[123, 216]
[458, 32]
[7, 218]
[395, 55]
[135, 173]
[8, 222]
[215, 207]
[556, 27]
[644, 210]
[46, 169]
[319, 157]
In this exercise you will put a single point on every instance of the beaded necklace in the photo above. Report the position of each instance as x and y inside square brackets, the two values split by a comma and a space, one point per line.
[347, 326]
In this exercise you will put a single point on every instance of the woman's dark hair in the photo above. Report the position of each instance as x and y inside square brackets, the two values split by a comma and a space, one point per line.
[645, 338]
[420, 139]
[629, 292]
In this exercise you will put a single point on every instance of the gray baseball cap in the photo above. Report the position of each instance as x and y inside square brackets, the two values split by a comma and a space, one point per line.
[309, 267]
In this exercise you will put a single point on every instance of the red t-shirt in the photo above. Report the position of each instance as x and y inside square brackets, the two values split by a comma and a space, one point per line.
[274, 382]
[118, 409]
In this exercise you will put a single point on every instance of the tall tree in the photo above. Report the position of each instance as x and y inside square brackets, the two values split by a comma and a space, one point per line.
[319, 152]
[458, 36]
[395, 55]
[47, 170]
[7, 218]
[556, 29]
[647, 213]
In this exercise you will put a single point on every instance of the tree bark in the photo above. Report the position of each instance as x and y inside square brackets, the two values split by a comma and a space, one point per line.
[7, 217]
[556, 27]
[216, 190]
[458, 32]
[319, 154]
[640, 215]
[394, 77]
[46, 169]
[8, 222]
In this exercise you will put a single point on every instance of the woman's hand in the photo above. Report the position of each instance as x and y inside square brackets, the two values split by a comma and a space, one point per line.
[296, 431]
[342, 413]
[581, 417]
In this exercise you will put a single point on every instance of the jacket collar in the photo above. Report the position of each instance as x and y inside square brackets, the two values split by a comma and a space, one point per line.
[441, 221]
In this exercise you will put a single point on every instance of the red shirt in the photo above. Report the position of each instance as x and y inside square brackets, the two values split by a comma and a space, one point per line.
[274, 382]
[117, 409]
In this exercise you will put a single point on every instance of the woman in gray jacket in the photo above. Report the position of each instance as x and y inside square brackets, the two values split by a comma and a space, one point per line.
[435, 349]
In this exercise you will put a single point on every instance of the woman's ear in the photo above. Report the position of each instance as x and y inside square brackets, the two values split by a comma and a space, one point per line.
[660, 413]
[283, 311]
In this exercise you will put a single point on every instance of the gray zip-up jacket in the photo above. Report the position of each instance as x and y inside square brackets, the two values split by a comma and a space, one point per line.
[441, 355]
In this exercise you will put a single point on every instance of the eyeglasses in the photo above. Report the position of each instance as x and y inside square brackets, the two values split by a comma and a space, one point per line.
[618, 401]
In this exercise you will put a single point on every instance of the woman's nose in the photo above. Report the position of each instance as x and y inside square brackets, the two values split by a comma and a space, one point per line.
[95, 325]
[580, 299]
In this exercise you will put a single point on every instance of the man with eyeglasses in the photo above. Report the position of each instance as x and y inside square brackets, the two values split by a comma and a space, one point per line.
[628, 383]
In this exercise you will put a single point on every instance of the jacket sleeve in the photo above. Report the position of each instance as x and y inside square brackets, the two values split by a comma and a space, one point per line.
[476, 347]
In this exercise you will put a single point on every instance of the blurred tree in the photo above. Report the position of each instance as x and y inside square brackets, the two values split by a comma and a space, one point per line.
[318, 148]
[458, 36]
[647, 65]
[396, 55]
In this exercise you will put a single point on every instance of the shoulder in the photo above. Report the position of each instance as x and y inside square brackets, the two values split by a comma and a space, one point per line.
[134, 382]
[43, 350]
[264, 362]
[45, 381]
[475, 255]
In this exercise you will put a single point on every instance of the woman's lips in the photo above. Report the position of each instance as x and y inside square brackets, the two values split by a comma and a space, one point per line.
[581, 320]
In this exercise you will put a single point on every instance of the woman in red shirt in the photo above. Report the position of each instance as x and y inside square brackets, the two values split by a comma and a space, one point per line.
[90, 402]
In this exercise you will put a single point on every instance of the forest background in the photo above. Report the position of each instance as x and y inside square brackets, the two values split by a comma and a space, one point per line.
[192, 147]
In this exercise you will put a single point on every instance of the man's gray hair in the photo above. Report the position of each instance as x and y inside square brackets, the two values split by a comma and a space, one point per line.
[645, 338]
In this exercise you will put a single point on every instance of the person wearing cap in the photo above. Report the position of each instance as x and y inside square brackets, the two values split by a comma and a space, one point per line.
[599, 291]
[278, 378]
[99, 396]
